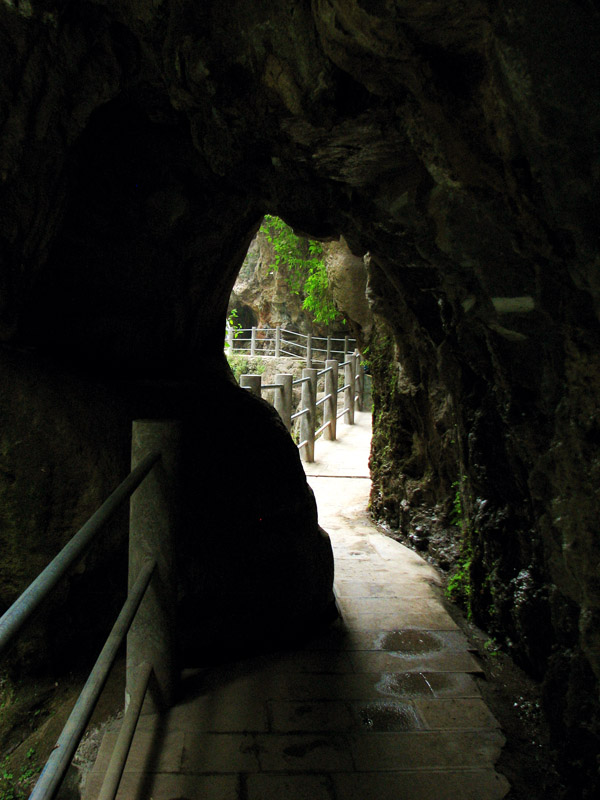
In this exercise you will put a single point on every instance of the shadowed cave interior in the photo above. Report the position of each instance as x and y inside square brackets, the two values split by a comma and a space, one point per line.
[455, 148]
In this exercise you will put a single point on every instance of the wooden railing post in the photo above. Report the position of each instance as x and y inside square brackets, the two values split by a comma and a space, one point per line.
[283, 399]
[252, 382]
[308, 420]
[345, 348]
[349, 373]
[153, 520]
[230, 337]
[330, 406]
[253, 342]
[309, 351]
[328, 357]
[278, 341]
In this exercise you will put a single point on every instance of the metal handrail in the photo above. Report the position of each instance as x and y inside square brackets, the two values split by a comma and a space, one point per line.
[323, 427]
[324, 399]
[329, 400]
[274, 340]
[271, 386]
[118, 759]
[15, 617]
[60, 758]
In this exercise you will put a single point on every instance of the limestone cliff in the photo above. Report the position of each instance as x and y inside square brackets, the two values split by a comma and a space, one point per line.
[262, 295]
[265, 294]
[455, 143]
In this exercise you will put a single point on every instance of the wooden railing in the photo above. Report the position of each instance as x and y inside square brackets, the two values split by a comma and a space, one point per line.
[146, 616]
[280, 342]
[351, 391]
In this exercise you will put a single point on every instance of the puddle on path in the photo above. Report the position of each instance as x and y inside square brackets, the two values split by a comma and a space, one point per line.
[404, 683]
[409, 642]
[382, 717]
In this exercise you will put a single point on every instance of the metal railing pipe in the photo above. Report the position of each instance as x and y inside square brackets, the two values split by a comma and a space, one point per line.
[300, 413]
[118, 759]
[64, 750]
[20, 611]
[320, 430]
[323, 400]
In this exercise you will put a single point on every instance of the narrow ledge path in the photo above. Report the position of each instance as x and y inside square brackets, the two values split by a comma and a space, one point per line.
[382, 705]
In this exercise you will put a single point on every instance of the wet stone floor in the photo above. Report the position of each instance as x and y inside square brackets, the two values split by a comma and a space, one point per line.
[381, 705]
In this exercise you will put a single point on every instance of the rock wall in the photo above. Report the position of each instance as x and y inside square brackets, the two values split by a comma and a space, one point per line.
[265, 291]
[263, 295]
[455, 143]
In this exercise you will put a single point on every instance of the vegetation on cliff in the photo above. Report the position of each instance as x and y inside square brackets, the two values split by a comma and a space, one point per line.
[304, 264]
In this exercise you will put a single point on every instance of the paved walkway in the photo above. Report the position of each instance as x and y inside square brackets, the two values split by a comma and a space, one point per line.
[381, 706]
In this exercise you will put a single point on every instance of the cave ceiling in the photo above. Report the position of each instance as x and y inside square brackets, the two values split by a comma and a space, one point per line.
[455, 142]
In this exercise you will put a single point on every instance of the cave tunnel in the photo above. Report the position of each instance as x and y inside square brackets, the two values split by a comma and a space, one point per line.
[455, 149]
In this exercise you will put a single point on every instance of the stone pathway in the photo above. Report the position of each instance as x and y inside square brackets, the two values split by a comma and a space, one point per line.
[380, 706]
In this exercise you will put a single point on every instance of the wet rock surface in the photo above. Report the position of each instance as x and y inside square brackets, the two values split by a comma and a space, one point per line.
[455, 143]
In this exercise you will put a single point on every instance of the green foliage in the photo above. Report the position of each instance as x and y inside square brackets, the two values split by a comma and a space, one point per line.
[16, 782]
[366, 360]
[302, 260]
[459, 588]
[244, 365]
[491, 646]
[456, 515]
[234, 324]
[238, 364]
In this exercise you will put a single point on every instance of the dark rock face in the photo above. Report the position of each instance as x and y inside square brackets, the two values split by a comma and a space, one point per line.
[456, 143]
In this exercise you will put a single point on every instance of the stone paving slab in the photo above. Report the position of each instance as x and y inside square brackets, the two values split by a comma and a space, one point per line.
[289, 787]
[425, 750]
[164, 786]
[479, 784]
[393, 662]
[383, 705]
